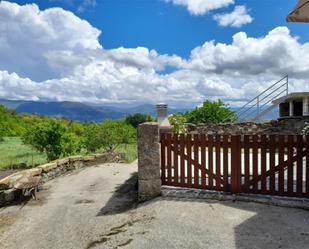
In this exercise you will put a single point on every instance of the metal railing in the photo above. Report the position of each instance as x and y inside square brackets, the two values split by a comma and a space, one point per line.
[259, 105]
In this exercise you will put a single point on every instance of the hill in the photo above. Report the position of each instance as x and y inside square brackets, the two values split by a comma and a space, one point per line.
[79, 111]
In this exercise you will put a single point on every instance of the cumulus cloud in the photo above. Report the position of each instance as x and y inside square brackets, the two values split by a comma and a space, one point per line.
[54, 55]
[29, 37]
[236, 19]
[201, 7]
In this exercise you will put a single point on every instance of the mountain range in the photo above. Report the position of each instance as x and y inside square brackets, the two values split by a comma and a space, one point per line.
[80, 111]
[93, 113]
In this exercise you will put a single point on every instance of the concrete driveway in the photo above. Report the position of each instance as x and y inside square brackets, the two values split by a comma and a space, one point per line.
[96, 208]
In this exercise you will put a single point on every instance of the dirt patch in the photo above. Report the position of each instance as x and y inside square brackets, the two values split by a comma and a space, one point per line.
[5, 222]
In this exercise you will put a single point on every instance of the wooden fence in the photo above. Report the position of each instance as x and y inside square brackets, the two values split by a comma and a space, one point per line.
[267, 164]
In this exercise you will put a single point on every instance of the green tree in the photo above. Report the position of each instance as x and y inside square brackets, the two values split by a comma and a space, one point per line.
[211, 112]
[178, 121]
[138, 118]
[91, 137]
[70, 143]
[49, 137]
[114, 132]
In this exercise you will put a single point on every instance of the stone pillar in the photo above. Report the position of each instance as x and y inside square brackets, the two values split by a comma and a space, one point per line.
[149, 161]
[291, 108]
[306, 106]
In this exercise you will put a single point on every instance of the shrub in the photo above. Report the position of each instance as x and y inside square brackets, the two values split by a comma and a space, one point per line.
[211, 112]
[138, 118]
[113, 133]
[91, 138]
[50, 137]
[108, 135]
[178, 121]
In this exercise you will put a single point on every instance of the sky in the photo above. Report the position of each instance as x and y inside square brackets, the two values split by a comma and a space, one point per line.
[146, 51]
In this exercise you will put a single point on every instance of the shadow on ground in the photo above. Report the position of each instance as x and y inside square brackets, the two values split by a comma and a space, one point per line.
[123, 199]
[268, 226]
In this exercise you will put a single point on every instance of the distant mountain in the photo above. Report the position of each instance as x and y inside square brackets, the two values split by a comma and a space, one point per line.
[92, 113]
[79, 111]
[12, 104]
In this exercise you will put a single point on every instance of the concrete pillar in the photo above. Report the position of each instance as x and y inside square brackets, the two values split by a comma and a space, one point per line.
[306, 106]
[149, 161]
[291, 108]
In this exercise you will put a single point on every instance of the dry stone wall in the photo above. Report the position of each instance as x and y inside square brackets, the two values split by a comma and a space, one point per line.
[285, 127]
[8, 192]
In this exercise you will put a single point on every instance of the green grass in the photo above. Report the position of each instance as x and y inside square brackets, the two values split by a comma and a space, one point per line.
[130, 150]
[13, 151]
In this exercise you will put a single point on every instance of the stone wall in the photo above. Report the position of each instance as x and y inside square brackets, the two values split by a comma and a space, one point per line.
[149, 180]
[46, 172]
[288, 126]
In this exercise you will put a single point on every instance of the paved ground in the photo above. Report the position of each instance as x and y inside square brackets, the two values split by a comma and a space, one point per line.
[95, 208]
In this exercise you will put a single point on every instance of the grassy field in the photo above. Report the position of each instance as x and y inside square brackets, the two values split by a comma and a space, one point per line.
[13, 152]
[130, 150]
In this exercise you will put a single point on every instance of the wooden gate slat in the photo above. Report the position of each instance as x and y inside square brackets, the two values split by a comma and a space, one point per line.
[203, 161]
[255, 161]
[281, 160]
[169, 158]
[210, 160]
[290, 164]
[218, 162]
[182, 159]
[299, 172]
[272, 162]
[196, 160]
[225, 163]
[263, 163]
[189, 160]
[163, 156]
[175, 152]
[246, 161]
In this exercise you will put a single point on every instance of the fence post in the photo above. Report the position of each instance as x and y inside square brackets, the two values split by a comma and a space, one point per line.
[235, 164]
[149, 161]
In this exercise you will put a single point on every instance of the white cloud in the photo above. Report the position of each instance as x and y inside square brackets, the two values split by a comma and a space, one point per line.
[237, 18]
[54, 55]
[30, 36]
[201, 7]
[86, 4]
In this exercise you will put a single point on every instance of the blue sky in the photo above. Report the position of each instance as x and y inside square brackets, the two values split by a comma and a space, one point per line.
[147, 51]
[172, 29]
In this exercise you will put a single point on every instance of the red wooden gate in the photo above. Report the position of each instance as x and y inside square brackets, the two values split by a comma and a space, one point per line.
[272, 165]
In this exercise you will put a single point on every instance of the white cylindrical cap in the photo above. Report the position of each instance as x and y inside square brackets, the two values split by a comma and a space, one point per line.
[162, 114]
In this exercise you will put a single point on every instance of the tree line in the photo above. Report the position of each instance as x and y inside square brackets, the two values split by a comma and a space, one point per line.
[58, 137]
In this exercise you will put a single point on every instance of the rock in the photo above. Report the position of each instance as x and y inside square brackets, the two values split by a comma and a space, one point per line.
[63, 161]
[10, 180]
[88, 158]
[75, 158]
[7, 196]
[48, 167]
[27, 182]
